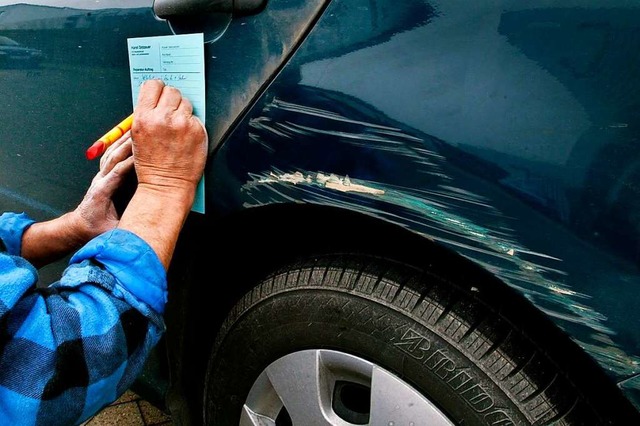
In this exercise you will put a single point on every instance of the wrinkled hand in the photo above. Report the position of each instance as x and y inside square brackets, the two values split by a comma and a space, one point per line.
[96, 212]
[169, 142]
[169, 152]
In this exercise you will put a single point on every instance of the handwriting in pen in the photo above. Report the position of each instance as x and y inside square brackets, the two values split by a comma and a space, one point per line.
[164, 77]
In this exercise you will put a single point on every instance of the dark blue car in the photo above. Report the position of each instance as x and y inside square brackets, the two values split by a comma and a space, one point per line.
[417, 212]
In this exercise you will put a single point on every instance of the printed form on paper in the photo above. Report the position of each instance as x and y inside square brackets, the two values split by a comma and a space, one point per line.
[178, 60]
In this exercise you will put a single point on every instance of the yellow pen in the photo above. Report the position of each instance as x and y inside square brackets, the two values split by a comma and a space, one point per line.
[99, 147]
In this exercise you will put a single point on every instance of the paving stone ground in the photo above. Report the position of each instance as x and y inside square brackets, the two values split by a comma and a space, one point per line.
[130, 410]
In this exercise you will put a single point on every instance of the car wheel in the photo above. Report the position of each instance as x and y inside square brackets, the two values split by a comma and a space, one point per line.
[351, 340]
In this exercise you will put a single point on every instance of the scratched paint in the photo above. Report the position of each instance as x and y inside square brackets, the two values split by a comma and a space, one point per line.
[343, 184]
[441, 211]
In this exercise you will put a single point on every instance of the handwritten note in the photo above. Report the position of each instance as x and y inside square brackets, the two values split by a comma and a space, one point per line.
[178, 60]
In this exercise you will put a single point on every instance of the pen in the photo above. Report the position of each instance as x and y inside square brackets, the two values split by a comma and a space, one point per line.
[100, 146]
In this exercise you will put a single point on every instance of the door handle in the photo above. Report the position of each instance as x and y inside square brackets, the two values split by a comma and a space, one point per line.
[165, 9]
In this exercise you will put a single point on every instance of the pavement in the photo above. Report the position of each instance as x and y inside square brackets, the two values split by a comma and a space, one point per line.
[130, 410]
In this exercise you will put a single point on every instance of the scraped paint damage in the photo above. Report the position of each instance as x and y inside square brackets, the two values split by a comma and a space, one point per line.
[442, 212]
[331, 181]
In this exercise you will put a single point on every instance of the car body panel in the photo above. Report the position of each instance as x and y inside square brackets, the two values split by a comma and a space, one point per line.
[52, 114]
[83, 88]
[503, 131]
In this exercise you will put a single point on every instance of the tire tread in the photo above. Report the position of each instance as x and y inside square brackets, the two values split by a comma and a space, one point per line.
[505, 354]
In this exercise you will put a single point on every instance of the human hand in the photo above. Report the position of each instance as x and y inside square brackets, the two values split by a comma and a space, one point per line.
[169, 142]
[169, 152]
[96, 212]
[45, 242]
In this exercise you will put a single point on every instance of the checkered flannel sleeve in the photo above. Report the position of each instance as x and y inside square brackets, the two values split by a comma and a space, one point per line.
[71, 348]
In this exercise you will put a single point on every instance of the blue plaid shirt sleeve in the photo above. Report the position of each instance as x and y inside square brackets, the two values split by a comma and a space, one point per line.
[71, 348]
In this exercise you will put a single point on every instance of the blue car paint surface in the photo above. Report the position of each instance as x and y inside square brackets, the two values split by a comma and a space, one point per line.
[503, 131]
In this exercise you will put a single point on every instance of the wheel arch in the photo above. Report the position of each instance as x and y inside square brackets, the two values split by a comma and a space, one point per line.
[274, 235]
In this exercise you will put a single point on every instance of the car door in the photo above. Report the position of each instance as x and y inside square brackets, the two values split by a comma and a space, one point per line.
[66, 81]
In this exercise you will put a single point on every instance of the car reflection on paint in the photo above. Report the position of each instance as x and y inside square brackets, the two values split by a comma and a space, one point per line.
[15, 55]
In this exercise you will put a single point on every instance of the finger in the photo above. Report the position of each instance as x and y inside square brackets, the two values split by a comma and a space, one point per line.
[170, 98]
[122, 153]
[116, 176]
[116, 154]
[149, 94]
[186, 107]
[205, 141]
[121, 140]
[206, 135]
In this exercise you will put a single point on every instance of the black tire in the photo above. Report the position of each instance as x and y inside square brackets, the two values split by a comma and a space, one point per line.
[467, 360]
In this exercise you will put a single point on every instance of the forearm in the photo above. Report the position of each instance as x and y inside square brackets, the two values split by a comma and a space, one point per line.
[157, 215]
[93, 329]
[45, 242]
[32, 372]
